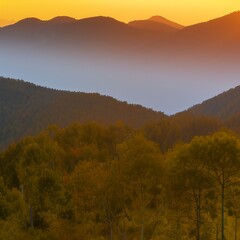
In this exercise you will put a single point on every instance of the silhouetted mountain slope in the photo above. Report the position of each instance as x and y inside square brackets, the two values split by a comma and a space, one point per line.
[61, 19]
[222, 28]
[89, 34]
[27, 109]
[220, 35]
[214, 39]
[165, 21]
[154, 26]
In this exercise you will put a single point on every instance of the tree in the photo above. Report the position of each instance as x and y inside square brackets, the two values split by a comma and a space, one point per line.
[233, 205]
[222, 152]
[143, 171]
[191, 181]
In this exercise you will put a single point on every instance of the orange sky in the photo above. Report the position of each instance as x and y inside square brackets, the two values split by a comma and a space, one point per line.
[182, 11]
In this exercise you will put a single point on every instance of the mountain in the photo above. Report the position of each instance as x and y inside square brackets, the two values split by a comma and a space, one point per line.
[93, 34]
[153, 26]
[223, 28]
[61, 20]
[225, 106]
[26, 109]
[165, 21]
[157, 24]
[219, 36]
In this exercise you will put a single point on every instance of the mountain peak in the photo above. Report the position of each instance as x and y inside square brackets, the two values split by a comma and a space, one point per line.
[101, 22]
[99, 19]
[163, 20]
[153, 26]
[157, 18]
[30, 20]
[61, 19]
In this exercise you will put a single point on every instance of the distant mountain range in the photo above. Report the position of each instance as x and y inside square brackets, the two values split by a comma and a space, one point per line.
[152, 62]
[92, 33]
[96, 34]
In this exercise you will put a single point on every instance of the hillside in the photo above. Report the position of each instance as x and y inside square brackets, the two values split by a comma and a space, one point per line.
[26, 109]
[223, 106]
[219, 36]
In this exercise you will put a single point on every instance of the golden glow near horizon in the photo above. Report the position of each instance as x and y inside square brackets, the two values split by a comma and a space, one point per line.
[184, 12]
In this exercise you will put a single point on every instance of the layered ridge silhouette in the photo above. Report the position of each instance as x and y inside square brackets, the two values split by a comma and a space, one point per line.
[154, 62]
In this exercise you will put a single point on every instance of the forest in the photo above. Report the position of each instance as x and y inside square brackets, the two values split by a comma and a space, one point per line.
[115, 182]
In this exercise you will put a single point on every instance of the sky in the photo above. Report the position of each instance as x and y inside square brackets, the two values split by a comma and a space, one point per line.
[185, 12]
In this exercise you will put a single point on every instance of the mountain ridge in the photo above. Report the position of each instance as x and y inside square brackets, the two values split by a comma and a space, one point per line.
[26, 109]
[153, 26]
[224, 106]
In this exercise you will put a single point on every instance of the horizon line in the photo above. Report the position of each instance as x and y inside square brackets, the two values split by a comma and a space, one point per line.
[11, 22]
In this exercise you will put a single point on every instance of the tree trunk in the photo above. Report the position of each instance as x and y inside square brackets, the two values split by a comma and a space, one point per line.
[236, 226]
[198, 213]
[142, 211]
[223, 196]
[22, 191]
[198, 217]
[31, 217]
[110, 231]
[124, 237]
[178, 229]
[142, 231]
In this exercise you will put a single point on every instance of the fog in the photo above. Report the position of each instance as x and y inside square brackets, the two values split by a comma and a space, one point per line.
[165, 86]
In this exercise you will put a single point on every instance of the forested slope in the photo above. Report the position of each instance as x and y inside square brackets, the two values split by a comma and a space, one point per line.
[27, 109]
[225, 106]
